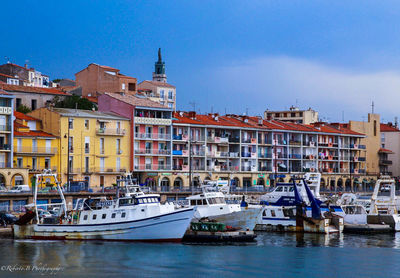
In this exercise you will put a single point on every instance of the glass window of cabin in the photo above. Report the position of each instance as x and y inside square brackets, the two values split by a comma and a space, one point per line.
[113, 215]
[85, 217]
[123, 215]
[94, 216]
[273, 213]
[140, 201]
[279, 189]
[192, 202]
[104, 216]
[264, 213]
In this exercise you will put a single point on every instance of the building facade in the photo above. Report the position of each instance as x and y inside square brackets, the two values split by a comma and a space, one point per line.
[33, 97]
[96, 79]
[251, 151]
[390, 144]
[34, 149]
[94, 146]
[26, 76]
[293, 115]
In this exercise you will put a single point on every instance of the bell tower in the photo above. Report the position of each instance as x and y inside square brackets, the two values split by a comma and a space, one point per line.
[159, 69]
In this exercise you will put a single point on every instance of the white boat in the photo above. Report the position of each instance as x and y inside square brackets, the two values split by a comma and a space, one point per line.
[383, 204]
[211, 204]
[134, 217]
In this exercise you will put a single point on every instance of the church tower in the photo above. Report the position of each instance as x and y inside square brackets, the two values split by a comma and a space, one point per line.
[159, 69]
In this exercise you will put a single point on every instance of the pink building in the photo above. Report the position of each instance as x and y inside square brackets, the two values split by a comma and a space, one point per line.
[151, 125]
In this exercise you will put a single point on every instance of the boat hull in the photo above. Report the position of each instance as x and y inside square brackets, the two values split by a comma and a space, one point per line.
[165, 227]
[246, 218]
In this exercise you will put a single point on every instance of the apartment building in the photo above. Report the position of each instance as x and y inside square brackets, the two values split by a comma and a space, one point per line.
[94, 146]
[97, 79]
[251, 151]
[389, 158]
[25, 76]
[293, 115]
[34, 149]
[151, 125]
[33, 97]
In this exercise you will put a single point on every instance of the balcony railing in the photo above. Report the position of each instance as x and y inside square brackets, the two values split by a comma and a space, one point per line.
[5, 147]
[5, 128]
[37, 150]
[152, 152]
[385, 162]
[152, 167]
[249, 140]
[265, 155]
[153, 136]
[295, 156]
[105, 170]
[40, 169]
[111, 131]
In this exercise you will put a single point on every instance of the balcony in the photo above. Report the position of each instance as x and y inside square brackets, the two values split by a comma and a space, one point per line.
[110, 131]
[234, 139]
[152, 152]
[264, 155]
[310, 144]
[233, 154]
[107, 170]
[40, 169]
[35, 151]
[294, 156]
[385, 162]
[5, 128]
[279, 142]
[249, 140]
[5, 147]
[152, 167]
[252, 168]
[294, 143]
[153, 136]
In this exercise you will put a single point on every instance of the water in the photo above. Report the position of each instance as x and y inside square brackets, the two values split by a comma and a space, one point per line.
[272, 255]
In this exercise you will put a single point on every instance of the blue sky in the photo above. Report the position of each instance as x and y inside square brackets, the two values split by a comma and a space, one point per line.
[334, 56]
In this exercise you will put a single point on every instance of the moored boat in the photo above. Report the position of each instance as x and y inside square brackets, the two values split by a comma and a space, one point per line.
[135, 216]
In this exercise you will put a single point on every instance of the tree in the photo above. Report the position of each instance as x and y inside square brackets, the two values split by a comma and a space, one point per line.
[23, 109]
[73, 102]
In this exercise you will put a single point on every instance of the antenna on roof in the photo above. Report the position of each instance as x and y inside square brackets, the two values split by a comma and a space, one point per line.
[372, 107]
[7, 59]
[247, 111]
[193, 104]
[343, 116]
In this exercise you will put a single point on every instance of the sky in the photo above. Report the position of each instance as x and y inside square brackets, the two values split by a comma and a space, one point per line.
[336, 57]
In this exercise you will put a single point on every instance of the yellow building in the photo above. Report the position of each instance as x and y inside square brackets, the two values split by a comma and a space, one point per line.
[98, 143]
[34, 149]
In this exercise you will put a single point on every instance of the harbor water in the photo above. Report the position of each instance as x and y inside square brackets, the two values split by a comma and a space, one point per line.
[271, 255]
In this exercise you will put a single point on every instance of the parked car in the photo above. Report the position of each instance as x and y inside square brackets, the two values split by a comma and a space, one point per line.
[7, 219]
[20, 188]
[110, 189]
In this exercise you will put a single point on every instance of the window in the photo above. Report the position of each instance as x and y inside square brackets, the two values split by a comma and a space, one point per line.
[47, 163]
[33, 104]
[273, 213]
[123, 215]
[18, 102]
[71, 163]
[71, 144]
[101, 145]
[132, 86]
[104, 216]
[123, 86]
[113, 215]
[70, 123]
[85, 217]
[34, 163]
[87, 124]
[170, 105]
[162, 95]
[170, 95]
[87, 144]
[86, 164]
[19, 162]
[94, 216]
[374, 127]
[118, 146]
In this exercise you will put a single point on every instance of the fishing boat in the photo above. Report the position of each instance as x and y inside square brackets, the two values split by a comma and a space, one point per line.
[131, 216]
[211, 204]
[296, 209]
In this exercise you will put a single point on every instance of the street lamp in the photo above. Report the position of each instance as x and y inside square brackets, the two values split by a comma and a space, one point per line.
[68, 161]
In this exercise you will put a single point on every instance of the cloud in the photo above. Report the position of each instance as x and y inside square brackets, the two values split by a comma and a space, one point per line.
[279, 82]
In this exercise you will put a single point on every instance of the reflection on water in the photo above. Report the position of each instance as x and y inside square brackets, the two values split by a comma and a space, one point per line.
[289, 254]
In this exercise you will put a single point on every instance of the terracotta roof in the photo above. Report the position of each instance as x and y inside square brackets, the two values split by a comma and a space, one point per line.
[125, 76]
[32, 133]
[92, 99]
[28, 89]
[25, 117]
[9, 76]
[106, 67]
[256, 123]
[136, 101]
[2, 92]
[389, 128]
[156, 83]
[382, 150]
[17, 124]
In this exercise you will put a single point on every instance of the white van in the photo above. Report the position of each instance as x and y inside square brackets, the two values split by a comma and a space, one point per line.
[20, 188]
